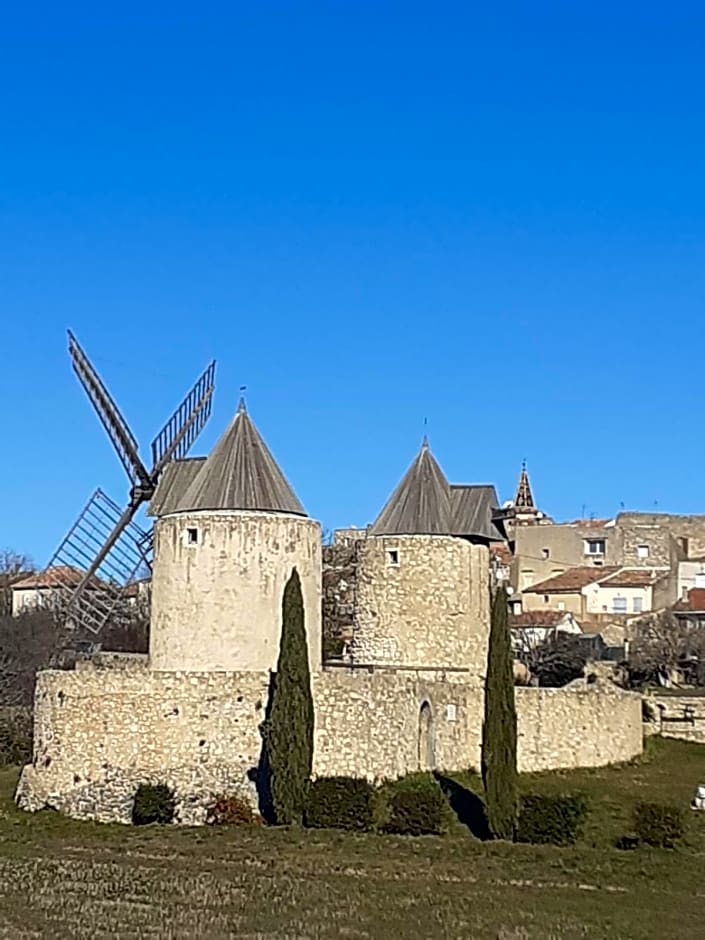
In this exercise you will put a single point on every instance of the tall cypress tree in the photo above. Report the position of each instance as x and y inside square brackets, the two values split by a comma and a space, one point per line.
[289, 728]
[499, 729]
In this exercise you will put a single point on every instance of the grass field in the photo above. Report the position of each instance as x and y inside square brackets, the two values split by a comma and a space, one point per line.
[60, 878]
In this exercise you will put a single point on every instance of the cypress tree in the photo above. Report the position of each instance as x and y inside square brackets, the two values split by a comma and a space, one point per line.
[499, 729]
[289, 728]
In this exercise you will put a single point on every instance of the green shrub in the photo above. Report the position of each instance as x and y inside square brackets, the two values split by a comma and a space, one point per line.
[499, 727]
[288, 728]
[340, 803]
[231, 811]
[154, 803]
[658, 824]
[15, 735]
[551, 819]
[414, 806]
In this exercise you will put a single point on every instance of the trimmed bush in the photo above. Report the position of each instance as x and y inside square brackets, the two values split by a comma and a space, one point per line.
[554, 820]
[658, 824]
[15, 735]
[154, 803]
[231, 811]
[415, 806]
[340, 803]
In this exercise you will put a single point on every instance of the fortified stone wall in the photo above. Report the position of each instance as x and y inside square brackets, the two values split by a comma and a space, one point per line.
[677, 716]
[221, 577]
[99, 732]
[577, 726]
[422, 600]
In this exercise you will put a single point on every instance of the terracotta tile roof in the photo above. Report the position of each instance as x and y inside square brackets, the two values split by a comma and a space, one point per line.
[695, 601]
[538, 618]
[634, 577]
[572, 581]
[502, 553]
[58, 576]
[52, 577]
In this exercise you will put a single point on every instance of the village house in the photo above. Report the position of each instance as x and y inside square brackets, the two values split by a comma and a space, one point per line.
[690, 610]
[602, 590]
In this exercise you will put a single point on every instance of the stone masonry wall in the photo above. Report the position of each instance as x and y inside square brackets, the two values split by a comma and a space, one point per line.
[583, 726]
[422, 600]
[677, 716]
[216, 601]
[99, 732]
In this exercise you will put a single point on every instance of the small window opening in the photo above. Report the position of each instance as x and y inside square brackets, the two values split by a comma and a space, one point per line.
[546, 552]
[393, 557]
[191, 536]
[642, 551]
[546, 598]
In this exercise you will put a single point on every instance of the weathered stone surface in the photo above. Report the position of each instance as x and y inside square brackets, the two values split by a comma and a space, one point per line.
[422, 602]
[101, 732]
[216, 600]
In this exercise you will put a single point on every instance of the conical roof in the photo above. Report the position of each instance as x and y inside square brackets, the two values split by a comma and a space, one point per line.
[420, 505]
[240, 473]
[524, 498]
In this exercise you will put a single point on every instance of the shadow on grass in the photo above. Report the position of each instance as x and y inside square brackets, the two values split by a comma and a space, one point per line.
[466, 805]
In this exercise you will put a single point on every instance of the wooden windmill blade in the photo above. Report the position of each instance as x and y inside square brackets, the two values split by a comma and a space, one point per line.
[181, 430]
[103, 553]
[106, 549]
[111, 418]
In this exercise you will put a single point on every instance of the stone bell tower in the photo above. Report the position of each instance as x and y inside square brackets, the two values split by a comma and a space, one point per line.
[229, 533]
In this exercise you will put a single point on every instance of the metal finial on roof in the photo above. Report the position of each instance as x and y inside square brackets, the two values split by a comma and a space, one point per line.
[424, 442]
[242, 404]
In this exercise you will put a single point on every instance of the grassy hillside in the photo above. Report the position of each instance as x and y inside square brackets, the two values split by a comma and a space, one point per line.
[62, 878]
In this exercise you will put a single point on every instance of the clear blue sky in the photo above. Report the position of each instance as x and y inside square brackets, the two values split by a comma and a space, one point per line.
[369, 213]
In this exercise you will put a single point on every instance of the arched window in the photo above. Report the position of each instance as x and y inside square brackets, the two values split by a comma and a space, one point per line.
[426, 755]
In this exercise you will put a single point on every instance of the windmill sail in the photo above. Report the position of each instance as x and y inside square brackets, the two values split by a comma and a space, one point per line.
[86, 593]
[106, 550]
[108, 412]
[181, 430]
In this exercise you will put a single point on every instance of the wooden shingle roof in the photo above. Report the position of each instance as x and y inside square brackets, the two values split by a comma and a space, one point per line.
[420, 505]
[240, 473]
[424, 503]
[173, 483]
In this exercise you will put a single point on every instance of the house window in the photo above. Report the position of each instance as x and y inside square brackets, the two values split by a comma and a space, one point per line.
[561, 605]
[594, 546]
[700, 580]
[393, 557]
[546, 552]
[642, 551]
[527, 578]
[451, 712]
[619, 605]
[638, 605]
[192, 536]
[546, 598]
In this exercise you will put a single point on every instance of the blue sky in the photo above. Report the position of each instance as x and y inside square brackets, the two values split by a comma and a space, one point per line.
[370, 214]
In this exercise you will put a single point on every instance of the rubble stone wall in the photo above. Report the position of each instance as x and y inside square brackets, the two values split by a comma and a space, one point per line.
[100, 731]
[677, 716]
[422, 600]
[217, 588]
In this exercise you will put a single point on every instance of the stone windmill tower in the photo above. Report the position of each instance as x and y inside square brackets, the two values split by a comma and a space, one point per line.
[229, 531]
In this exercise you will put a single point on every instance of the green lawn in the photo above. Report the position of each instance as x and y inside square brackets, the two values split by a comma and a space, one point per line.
[61, 878]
